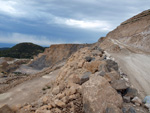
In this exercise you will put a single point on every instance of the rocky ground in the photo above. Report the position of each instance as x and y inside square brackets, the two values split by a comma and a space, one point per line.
[110, 76]
[7, 71]
[135, 64]
[27, 91]
[91, 83]
[55, 54]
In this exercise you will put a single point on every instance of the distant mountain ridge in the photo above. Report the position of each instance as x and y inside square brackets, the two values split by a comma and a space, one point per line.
[22, 50]
[4, 48]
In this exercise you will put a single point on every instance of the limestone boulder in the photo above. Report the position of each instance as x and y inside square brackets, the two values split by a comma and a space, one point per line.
[98, 95]
[120, 85]
[111, 65]
[113, 75]
[56, 90]
[137, 101]
[85, 77]
[92, 66]
[131, 92]
[59, 103]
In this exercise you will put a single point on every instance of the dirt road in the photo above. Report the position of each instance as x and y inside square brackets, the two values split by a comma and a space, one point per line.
[28, 91]
[136, 66]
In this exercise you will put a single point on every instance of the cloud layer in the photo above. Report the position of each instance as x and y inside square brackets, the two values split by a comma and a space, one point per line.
[52, 21]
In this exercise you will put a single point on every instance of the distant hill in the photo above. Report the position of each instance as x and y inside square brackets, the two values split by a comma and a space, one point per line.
[22, 50]
[4, 48]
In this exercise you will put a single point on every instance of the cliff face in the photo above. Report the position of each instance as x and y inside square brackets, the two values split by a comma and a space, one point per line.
[55, 54]
[135, 33]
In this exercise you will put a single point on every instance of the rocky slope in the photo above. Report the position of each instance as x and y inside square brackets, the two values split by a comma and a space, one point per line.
[134, 33]
[91, 81]
[129, 44]
[55, 54]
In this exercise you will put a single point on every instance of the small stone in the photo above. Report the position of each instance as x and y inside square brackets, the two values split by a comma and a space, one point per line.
[65, 99]
[62, 87]
[131, 92]
[39, 103]
[81, 63]
[33, 109]
[100, 73]
[45, 99]
[92, 66]
[137, 101]
[56, 90]
[57, 110]
[119, 85]
[124, 110]
[72, 97]
[28, 107]
[111, 65]
[89, 59]
[74, 79]
[147, 106]
[71, 91]
[44, 107]
[53, 104]
[85, 77]
[131, 110]
[60, 95]
[49, 107]
[113, 75]
[102, 67]
[60, 103]
[126, 99]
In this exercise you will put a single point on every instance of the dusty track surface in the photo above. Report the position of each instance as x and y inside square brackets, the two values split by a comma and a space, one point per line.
[28, 91]
[136, 66]
[28, 70]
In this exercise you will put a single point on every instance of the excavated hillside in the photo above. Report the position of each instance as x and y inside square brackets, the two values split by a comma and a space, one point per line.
[110, 76]
[129, 45]
[55, 54]
[134, 33]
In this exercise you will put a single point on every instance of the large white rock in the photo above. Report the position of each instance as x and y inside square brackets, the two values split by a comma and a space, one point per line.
[98, 95]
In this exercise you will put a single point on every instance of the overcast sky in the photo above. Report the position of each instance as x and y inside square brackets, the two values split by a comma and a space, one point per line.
[46, 22]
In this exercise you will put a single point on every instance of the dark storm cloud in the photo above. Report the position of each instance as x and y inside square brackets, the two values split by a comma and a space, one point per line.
[53, 21]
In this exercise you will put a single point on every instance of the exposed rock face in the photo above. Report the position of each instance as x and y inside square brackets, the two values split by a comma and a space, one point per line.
[98, 94]
[135, 32]
[79, 83]
[55, 54]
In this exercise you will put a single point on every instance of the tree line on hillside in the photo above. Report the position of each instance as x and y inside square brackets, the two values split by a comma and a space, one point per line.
[22, 50]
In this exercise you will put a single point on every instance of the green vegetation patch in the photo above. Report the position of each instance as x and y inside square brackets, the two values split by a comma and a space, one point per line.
[22, 50]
